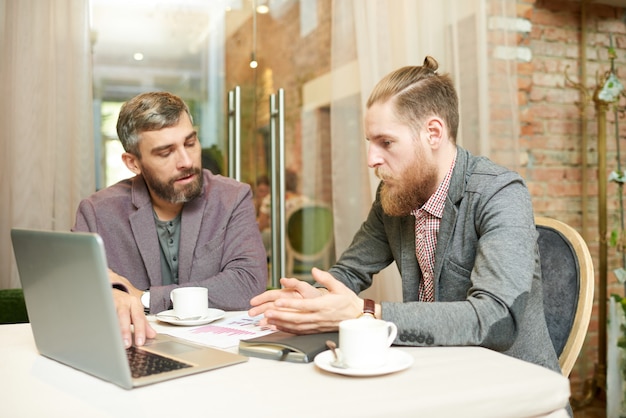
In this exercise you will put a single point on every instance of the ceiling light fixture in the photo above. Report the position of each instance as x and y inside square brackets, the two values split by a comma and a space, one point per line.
[262, 6]
[253, 62]
[138, 56]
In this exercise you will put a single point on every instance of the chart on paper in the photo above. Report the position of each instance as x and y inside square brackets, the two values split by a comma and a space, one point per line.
[225, 333]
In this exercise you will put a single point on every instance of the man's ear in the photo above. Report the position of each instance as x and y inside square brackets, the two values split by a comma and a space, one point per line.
[132, 162]
[436, 132]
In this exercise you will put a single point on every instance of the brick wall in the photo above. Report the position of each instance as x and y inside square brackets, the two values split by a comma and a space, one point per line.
[552, 111]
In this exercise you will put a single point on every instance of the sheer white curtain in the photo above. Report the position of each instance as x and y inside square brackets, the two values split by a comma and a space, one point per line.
[47, 158]
[388, 34]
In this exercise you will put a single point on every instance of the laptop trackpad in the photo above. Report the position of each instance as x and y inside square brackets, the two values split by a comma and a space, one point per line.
[172, 347]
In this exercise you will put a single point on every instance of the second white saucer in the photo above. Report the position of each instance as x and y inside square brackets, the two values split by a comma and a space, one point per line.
[169, 317]
[398, 360]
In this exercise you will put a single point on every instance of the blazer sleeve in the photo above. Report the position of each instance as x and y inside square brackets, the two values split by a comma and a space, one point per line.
[85, 217]
[369, 252]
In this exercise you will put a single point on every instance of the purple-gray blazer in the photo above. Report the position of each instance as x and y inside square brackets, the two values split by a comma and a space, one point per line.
[220, 243]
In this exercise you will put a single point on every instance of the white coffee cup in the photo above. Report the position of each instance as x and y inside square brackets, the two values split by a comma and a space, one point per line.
[190, 302]
[364, 342]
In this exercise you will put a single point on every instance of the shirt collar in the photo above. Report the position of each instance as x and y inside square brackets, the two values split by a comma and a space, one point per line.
[437, 201]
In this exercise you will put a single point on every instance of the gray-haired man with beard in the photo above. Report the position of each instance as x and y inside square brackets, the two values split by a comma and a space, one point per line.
[460, 229]
[172, 224]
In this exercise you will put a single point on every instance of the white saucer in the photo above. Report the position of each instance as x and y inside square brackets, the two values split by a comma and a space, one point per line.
[211, 315]
[398, 360]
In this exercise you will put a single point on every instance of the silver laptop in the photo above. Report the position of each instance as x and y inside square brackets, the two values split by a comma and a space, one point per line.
[70, 307]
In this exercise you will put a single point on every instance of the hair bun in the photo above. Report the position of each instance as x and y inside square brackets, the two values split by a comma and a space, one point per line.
[430, 63]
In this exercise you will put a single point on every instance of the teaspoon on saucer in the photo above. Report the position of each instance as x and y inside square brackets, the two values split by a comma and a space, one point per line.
[178, 318]
[336, 363]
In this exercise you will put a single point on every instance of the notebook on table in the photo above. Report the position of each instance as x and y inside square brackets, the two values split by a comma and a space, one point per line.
[284, 346]
[70, 306]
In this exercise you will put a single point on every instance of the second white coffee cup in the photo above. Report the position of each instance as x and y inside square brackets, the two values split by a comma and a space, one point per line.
[364, 343]
[190, 302]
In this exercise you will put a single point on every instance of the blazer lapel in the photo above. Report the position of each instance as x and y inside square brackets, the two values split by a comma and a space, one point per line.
[144, 231]
[448, 221]
[411, 272]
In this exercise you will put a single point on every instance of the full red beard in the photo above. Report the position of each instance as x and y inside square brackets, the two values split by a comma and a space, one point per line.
[409, 191]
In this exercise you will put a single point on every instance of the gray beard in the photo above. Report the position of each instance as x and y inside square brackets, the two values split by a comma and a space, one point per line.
[166, 191]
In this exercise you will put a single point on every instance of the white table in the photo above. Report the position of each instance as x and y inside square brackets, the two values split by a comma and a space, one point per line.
[442, 382]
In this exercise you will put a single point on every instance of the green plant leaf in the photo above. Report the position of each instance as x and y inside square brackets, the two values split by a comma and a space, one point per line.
[613, 238]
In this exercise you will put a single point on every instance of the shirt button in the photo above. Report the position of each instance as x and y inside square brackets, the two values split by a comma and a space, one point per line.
[171, 241]
[427, 275]
[420, 236]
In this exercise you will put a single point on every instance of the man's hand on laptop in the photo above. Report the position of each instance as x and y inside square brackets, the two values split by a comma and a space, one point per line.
[130, 311]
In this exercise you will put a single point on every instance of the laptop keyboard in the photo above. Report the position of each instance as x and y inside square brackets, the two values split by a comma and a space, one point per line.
[144, 363]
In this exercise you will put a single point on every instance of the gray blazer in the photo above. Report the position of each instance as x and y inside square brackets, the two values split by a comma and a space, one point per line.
[220, 242]
[487, 268]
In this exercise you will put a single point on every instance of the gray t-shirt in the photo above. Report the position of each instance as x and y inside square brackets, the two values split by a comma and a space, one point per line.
[169, 240]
